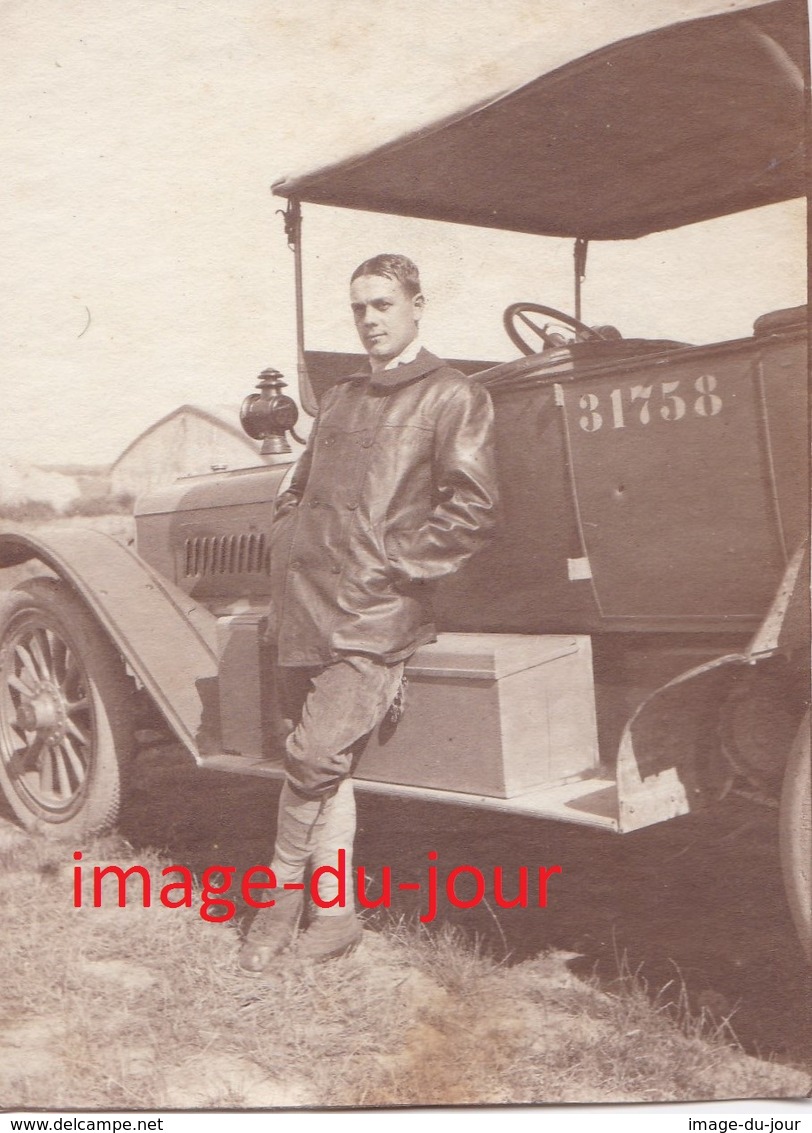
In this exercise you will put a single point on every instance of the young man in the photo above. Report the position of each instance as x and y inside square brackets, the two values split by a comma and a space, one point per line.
[395, 490]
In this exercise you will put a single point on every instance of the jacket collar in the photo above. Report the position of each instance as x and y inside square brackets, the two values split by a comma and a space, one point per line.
[424, 363]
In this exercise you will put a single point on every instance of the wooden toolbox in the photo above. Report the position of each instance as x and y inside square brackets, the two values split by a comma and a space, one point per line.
[491, 714]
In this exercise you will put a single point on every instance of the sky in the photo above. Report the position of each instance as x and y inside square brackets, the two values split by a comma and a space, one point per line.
[142, 262]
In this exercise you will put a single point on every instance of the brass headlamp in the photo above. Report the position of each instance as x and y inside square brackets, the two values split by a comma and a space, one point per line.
[267, 416]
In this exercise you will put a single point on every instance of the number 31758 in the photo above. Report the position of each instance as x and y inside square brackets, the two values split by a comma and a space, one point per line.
[637, 405]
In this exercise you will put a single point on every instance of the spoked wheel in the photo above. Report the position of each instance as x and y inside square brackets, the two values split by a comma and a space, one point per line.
[795, 818]
[65, 712]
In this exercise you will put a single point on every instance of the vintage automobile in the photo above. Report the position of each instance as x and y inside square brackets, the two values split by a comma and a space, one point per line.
[634, 642]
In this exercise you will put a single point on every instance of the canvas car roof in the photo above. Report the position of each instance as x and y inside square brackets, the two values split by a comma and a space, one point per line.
[679, 121]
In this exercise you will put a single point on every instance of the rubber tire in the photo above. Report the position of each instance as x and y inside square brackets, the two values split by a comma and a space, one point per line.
[95, 805]
[795, 834]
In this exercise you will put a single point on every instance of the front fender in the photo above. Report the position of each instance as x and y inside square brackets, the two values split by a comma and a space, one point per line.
[657, 779]
[166, 638]
[786, 624]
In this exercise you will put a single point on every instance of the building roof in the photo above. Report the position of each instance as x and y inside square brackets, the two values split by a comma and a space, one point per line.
[226, 417]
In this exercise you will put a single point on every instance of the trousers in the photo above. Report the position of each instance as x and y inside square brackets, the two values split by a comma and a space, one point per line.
[334, 709]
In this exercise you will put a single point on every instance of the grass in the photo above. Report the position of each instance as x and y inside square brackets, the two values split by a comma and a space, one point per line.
[146, 1009]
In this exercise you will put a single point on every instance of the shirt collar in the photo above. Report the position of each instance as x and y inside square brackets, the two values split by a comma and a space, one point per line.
[423, 364]
[407, 355]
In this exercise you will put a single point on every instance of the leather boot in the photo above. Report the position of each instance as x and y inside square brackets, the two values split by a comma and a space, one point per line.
[272, 931]
[298, 823]
[328, 937]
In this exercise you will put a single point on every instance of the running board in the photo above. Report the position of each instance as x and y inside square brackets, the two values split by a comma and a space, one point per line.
[584, 802]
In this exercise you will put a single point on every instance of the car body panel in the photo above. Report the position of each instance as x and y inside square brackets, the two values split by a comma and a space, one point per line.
[660, 493]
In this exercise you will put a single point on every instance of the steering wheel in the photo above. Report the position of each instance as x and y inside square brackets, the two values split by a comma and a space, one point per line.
[518, 312]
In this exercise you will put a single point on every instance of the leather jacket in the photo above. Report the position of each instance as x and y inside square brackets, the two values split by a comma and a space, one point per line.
[396, 489]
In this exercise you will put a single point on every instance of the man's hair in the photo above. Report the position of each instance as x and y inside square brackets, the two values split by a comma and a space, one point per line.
[399, 268]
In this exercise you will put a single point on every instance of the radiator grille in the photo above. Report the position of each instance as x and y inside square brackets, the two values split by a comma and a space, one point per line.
[226, 554]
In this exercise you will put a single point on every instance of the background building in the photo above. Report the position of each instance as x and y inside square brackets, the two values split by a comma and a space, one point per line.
[190, 439]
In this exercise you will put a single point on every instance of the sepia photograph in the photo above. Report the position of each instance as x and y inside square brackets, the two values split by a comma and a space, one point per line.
[404, 555]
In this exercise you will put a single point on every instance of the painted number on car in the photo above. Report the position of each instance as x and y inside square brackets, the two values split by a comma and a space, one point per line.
[639, 405]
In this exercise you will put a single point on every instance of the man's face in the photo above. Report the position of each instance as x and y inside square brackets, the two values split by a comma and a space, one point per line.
[385, 316]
